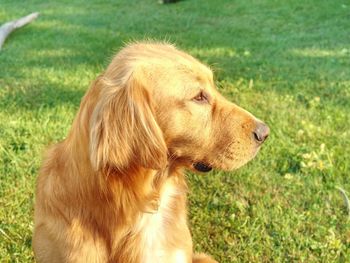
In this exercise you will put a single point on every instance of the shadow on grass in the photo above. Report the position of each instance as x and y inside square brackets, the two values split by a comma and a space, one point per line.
[36, 96]
[82, 38]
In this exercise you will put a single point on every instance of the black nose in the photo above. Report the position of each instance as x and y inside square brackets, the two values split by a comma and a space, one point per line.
[261, 132]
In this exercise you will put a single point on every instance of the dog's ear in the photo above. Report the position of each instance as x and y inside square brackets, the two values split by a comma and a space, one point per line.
[123, 129]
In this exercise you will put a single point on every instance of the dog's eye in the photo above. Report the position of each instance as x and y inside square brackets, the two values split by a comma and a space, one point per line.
[201, 97]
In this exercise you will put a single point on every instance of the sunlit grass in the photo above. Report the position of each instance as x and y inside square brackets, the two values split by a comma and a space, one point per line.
[319, 53]
[286, 62]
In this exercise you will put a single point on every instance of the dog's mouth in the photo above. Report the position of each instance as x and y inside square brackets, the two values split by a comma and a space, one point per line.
[202, 167]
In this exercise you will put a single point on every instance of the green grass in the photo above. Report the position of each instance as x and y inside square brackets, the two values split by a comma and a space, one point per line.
[288, 62]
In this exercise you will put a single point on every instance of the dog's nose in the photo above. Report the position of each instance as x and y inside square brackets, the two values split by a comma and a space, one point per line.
[261, 132]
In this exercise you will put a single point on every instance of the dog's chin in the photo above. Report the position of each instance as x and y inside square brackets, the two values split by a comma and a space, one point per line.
[228, 164]
[223, 163]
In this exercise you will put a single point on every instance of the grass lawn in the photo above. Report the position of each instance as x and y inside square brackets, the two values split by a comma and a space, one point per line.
[288, 62]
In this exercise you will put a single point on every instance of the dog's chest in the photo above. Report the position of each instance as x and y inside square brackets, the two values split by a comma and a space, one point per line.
[155, 231]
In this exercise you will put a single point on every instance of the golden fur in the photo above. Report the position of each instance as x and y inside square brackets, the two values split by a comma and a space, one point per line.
[114, 189]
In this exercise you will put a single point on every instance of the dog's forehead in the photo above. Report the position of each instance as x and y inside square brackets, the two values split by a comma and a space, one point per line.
[167, 70]
[184, 84]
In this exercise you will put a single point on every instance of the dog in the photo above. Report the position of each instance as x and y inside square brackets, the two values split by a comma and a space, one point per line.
[114, 190]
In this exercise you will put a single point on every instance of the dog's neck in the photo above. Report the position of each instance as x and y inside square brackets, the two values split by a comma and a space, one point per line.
[144, 186]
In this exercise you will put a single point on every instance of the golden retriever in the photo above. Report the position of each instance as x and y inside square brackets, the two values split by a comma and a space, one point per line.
[114, 190]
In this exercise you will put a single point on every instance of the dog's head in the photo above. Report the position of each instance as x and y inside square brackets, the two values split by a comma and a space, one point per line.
[157, 106]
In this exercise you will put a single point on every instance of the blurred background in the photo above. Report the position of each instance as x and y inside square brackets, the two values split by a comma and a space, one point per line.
[288, 62]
